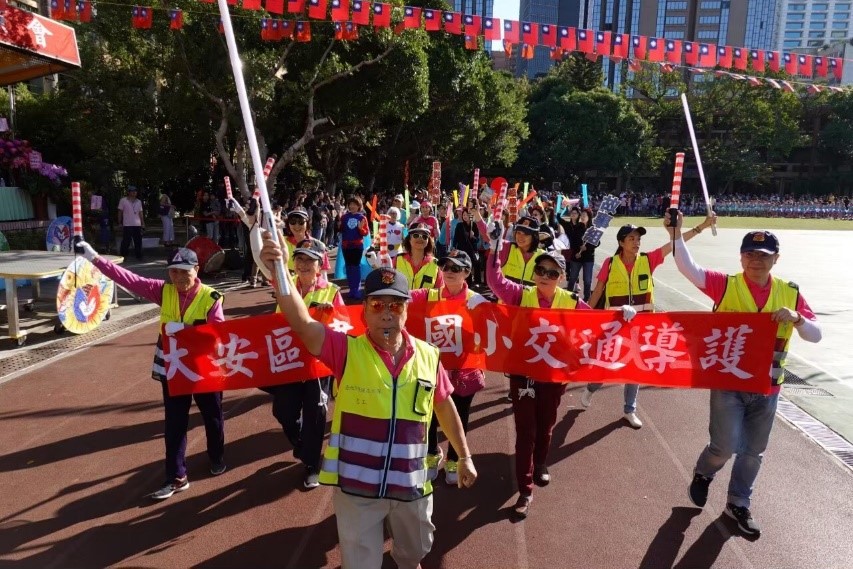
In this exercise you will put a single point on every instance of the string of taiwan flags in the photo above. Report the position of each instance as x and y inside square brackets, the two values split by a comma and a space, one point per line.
[349, 15]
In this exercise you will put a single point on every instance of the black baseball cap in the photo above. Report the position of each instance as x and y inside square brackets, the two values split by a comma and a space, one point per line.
[420, 228]
[626, 230]
[556, 257]
[529, 225]
[457, 257]
[763, 241]
[184, 259]
[311, 248]
[388, 282]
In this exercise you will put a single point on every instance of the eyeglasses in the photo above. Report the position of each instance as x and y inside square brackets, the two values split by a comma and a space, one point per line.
[422, 236]
[296, 221]
[379, 306]
[453, 268]
[543, 272]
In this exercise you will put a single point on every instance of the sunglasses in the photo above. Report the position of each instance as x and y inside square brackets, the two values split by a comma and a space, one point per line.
[552, 274]
[452, 268]
[422, 236]
[379, 306]
[296, 221]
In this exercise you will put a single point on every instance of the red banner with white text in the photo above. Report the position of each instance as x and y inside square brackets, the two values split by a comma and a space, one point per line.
[671, 349]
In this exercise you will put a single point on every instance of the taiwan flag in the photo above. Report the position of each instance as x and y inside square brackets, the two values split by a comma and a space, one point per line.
[740, 58]
[790, 63]
[805, 65]
[691, 54]
[673, 51]
[511, 31]
[317, 9]
[492, 28]
[432, 20]
[473, 25]
[530, 33]
[585, 41]
[293, 6]
[57, 11]
[350, 31]
[836, 64]
[707, 55]
[265, 29]
[411, 17]
[568, 38]
[453, 23]
[285, 29]
[275, 31]
[556, 54]
[724, 56]
[251, 4]
[549, 35]
[145, 17]
[471, 42]
[620, 46]
[176, 19]
[639, 43]
[340, 11]
[656, 47]
[773, 60]
[820, 65]
[84, 11]
[360, 13]
[757, 57]
[303, 31]
[602, 43]
[381, 15]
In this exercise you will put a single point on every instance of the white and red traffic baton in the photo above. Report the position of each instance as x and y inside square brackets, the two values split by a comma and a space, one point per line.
[675, 196]
[708, 203]
[76, 212]
[476, 185]
[382, 238]
[228, 193]
[254, 151]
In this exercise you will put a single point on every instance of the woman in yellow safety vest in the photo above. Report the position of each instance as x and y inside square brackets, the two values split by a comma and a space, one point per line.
[626, 280]
[417, 262]
[455, 267]
[297, 229]
[517, 259]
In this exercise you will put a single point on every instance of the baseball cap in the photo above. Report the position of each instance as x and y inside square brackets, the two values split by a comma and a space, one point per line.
[528, 224]
[388, 282]
[183, 258]
[556, 257]
[626, 230]
[131, 188]
[420, 228]
[298, 213]
[310, 247]
[399, 197]
[763, 241]
[414, 205]
[457, 257]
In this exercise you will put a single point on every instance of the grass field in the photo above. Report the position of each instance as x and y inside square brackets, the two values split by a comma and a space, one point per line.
[749, 223]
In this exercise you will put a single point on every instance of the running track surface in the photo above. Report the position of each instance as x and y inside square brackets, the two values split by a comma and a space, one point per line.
[81, 448]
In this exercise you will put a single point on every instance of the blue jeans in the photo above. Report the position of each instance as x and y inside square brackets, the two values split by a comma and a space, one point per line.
[575, 271]
[631, 391]
[740, 424]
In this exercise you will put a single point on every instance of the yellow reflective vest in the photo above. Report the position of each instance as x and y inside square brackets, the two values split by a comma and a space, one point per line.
[636, 289]
[737, 298]
[563, 299]
[378, 442]
[425, 277]
[516, 270]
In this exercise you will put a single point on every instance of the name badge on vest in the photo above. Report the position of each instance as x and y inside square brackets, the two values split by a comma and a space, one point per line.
[643, 282]
[423, 397]
[427, 280]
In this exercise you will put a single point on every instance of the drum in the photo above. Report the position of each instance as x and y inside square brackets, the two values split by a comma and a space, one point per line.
[210, 255]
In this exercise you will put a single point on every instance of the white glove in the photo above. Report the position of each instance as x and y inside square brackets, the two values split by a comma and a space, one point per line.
[173, 328]
[496, 233]
[628, 312]
[238, 209]
[372, 259]
[475, 301]
[257, 243]
[86, 250]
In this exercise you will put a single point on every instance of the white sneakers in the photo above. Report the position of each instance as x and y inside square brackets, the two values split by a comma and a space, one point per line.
[586, 401]
[586, 397]
[633, 420]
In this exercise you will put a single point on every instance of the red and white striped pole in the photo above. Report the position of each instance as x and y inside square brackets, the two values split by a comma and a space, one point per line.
[267, 169]
[76, 212]
[382, 237]
[228, 193]
[476, 185]
[676, 181]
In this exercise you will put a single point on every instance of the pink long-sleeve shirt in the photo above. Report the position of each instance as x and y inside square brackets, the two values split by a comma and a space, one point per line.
[510, 292]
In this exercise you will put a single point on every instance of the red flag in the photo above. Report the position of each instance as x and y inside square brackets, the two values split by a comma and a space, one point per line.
[340, 11]
[602, 43]
[527, 51]
[274, 31]
[549, 35]
[285, 29]
[146, 17]
[176, 20]
[724, 56]
[529, 34]
[707, 55]
[806, 65]
[381, 15]
[70, 10]
[773, 60]
[471, 42]
[360, 13]
[635, 65]
[251, 4]
[350, 31]
[492, 28]
[556, 54]
[593, 57]
[568, 38]
[453, 23]
[655, 49]
[820, 65]
[265, 29]
[740, 59]
[432, 20]
[339, 31]
[837, 66]
[757, 57]
[57, 11]
[790, 63]
[275, 6]
[511, 31]
[691, 54]
[317, 9]
[293, 6]
[303, 31]
[621, 43]
[585, 41]
[84, 11]
[411, 17]
[473, 25]
[639, 43]
[508, 48]
[673, 51]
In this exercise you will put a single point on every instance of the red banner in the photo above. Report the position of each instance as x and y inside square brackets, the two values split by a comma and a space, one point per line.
[670, 349]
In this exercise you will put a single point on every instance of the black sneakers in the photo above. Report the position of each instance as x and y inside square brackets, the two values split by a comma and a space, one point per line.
[312, 478]
[541, 476]
[522, 507]
[744, 519]
[699, 489]
[218, 468]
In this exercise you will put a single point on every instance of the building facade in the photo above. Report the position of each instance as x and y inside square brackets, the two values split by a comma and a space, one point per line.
[483, 8]
[808, 25]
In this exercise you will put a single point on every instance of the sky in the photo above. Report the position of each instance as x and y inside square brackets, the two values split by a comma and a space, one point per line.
[505, 10]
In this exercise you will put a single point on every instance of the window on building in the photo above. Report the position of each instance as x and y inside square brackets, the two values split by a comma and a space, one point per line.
[707, 34]
[676, 5]
[840, 16]
[792, 35]
[814, 43]
[709, 6]
[819, 7]
[839, 25]
[790, 43]
[817, 34]
[838, 35]
[674, 35]
[795, 26]
[709, 19]
[821, 16]
[796, 16]
[676, 20]
[842, 8]
[818, 25]
[797, 7]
